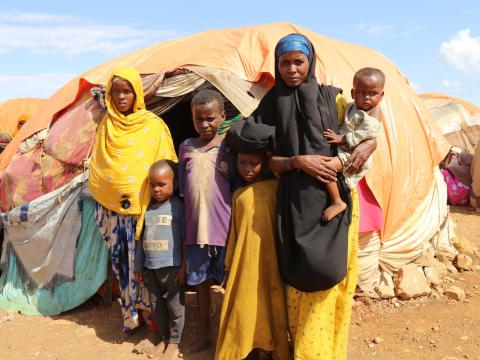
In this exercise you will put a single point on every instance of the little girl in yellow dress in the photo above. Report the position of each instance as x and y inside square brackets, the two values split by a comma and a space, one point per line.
[253, 319]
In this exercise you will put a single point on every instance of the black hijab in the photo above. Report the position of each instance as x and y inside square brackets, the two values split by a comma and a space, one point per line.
[312, 254]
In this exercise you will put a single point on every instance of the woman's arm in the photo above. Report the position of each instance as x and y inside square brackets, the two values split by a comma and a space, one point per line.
[323, 168]
[360, 155]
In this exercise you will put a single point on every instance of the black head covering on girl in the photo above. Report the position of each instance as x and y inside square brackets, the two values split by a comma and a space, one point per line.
[250, 137]
[312, 254]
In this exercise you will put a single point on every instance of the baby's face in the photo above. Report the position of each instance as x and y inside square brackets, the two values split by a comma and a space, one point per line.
[367, 92]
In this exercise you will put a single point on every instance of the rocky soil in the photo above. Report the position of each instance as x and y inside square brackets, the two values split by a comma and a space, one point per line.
[444, 324]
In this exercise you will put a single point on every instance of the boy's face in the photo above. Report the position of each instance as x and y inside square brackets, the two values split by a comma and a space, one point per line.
[367, 92]
[206, 119]
[123, 96]
[250, 166]
[161, 184]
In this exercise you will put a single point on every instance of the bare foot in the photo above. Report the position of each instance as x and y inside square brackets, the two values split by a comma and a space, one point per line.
[333, 210]
[200, 345]
[171, 353]
[146, 344]
[156, 351]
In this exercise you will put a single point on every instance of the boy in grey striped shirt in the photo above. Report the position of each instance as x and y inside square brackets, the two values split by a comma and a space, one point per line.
[159, 256]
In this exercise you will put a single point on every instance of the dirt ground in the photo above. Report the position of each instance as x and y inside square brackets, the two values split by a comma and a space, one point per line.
[426, 328]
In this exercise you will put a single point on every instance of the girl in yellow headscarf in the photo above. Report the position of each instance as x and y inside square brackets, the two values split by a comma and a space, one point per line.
[129, 139]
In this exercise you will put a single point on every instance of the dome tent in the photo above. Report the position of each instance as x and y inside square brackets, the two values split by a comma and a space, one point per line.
[239, 63]
[457, 119]
[12, 110]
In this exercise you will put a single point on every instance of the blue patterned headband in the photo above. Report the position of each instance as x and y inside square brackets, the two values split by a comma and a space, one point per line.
[293, 42]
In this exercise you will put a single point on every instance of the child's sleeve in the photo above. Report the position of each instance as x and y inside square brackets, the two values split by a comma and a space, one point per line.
[369, 128]
[341, 107]
[181, 170]
[232, 238]
[139, 255]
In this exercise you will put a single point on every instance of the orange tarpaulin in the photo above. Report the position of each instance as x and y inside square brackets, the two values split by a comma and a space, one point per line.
[12, 110]
[408, 149]
[457, 119]
[470, 107]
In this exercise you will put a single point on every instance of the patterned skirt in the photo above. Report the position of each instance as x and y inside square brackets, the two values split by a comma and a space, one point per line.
[119, 233]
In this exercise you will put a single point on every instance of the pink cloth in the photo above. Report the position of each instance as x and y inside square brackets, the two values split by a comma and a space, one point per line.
[371, 216]
[456, 190]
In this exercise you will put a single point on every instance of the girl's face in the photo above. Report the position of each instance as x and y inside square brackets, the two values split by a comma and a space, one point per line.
[250, 166]
[206, 119]
[123, 96]
[293, 68]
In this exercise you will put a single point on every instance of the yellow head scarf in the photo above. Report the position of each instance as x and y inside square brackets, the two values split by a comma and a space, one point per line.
[125, 147]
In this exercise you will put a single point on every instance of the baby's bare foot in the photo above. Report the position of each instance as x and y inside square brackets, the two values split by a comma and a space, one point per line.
[333, 210]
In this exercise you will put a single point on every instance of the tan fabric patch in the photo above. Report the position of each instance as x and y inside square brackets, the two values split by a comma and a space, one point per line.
[155, 245]
[159, 220]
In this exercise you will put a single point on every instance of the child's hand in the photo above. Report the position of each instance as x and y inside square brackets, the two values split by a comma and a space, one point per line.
[224, 280]
[181, 274]
[138, 277]
[333, 138]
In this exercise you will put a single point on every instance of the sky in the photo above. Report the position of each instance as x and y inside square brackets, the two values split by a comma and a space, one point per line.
[43, 44]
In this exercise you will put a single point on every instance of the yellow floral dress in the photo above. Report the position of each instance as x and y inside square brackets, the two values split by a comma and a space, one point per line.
[319, 321]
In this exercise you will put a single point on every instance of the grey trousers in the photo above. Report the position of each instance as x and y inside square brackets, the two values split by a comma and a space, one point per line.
[167, 299]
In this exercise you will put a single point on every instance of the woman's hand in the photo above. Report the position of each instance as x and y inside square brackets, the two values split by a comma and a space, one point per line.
[317, 166]
[360, 155]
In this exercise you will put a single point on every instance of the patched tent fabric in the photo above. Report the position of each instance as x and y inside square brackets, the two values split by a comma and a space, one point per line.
[12, 110]
[58, 157]
[91, 260]
[402, 177]
[457, 119]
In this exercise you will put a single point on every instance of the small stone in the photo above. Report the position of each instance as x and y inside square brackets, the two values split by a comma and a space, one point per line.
[385, 292]
[441, 269]
[366, 300]
[455, 293]
[410, 282]
[371, 346]
[452, 269]
[463, 262]
[396, 304]
[436, 328]
[445, 258]
[432, 276]
[426, 259]
[463, 245]
[377, 340]
[6, 318]
[431, 341]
